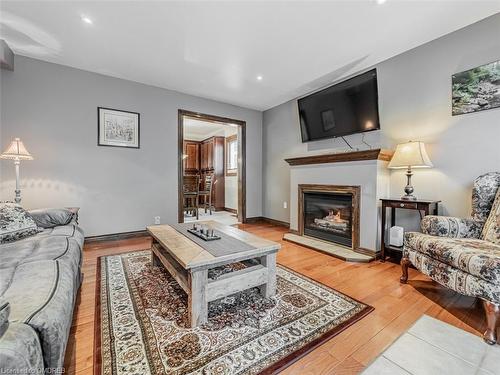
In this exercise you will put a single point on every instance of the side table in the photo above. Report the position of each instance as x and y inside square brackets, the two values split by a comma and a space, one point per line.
[425, 206]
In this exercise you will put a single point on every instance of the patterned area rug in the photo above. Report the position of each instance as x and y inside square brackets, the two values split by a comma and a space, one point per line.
[141, 322]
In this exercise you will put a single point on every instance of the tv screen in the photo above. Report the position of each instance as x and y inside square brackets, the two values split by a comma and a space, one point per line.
[346, 108]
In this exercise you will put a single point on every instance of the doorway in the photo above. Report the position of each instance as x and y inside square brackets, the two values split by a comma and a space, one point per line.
[212, 168]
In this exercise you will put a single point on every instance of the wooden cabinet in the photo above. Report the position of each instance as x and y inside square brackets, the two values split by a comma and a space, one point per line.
[191, 157]
[207, 157]
[212, 162]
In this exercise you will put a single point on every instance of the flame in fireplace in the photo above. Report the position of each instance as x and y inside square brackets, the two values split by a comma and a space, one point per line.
[334, 216]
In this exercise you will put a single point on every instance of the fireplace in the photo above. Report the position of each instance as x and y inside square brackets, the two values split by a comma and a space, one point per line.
[330, 213]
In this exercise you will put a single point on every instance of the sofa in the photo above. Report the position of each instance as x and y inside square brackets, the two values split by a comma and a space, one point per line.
[39, 279]
[456, 253]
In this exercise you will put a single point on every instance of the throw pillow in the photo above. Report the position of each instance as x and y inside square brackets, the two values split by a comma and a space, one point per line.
[491, 229]
[51, 217]
[15, 223]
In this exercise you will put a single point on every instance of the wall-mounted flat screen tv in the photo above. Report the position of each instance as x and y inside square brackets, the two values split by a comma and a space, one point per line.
[346, 108]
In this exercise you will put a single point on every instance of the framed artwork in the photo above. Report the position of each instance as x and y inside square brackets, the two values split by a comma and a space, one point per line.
[117, 128]
[476, 89]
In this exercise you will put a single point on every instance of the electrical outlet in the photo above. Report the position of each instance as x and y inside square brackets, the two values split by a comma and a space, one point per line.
[285, 204]
[157, 220]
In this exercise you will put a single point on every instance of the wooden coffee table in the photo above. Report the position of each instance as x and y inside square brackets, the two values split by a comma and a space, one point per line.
[189, 263]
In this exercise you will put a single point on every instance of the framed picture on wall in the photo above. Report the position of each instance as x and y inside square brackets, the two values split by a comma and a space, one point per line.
[117, 128]
[476, 89]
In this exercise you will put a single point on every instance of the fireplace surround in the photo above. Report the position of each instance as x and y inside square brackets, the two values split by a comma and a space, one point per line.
[330, 213]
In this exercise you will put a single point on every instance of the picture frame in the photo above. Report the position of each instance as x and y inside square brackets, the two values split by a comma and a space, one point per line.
[476, 89]
[118, 128]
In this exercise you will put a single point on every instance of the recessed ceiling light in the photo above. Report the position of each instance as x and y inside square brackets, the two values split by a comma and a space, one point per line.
[380, 2]
[87, 20]
[259, 78]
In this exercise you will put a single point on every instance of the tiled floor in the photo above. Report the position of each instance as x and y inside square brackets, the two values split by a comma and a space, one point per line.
[223, 217]
[431, 347]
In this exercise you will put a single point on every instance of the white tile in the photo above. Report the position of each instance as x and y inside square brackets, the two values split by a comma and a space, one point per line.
[223, 217]
[451, 339]
[382, 366]
[421, 358]
[491, 361]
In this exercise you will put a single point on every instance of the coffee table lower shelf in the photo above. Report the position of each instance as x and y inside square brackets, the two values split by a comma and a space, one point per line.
[201, 290]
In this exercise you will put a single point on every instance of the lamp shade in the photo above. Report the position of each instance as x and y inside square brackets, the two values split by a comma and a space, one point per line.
[410, 154]
[16, 151]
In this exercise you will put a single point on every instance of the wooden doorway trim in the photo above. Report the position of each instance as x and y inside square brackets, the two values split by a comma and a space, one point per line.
[241, 159]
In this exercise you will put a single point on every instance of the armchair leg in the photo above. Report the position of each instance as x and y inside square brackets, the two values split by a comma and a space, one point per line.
[405, 263]
[492, 317]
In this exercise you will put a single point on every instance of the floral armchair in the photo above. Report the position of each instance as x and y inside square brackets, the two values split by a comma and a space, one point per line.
[455, 252]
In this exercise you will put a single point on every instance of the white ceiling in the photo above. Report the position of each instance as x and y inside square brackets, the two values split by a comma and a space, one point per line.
[217, 49]
[197, 130]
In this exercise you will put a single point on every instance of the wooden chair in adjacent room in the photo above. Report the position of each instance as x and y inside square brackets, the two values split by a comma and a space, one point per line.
[206, 193]
[191, 191]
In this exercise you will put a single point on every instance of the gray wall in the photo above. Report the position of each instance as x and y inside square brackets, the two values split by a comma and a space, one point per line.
[53, 109]
[415, 104]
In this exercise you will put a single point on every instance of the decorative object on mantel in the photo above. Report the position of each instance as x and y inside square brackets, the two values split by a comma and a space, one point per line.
[410, 155]
[476, 89]
[17, 152]
[117, 128]
[339, 157]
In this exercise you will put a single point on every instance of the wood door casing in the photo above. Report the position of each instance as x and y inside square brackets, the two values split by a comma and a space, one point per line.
[241, 134]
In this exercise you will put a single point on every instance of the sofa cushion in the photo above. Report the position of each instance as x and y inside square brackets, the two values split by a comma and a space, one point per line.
[491, 229]
[48, 245]
[15, 223]
[20, 351]
[4, 315]
[474, 256]
[40, 277]
[42, 294]
[51, 217]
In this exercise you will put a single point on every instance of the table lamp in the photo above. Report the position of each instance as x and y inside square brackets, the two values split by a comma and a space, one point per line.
[17, 152]
[410, 155]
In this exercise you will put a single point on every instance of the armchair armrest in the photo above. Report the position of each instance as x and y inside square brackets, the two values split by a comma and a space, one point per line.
[453, 227]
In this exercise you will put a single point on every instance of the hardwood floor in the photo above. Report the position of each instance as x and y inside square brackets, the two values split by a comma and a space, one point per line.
[397, 306]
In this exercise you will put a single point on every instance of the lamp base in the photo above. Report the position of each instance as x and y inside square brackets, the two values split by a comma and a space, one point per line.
[409, 198]
[17, 199]
[408, 188]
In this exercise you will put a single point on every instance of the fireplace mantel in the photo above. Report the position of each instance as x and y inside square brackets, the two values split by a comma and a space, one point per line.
[375, 154]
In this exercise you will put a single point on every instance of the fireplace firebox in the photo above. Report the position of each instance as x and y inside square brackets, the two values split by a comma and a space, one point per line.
[328, 217]
[330, 213]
